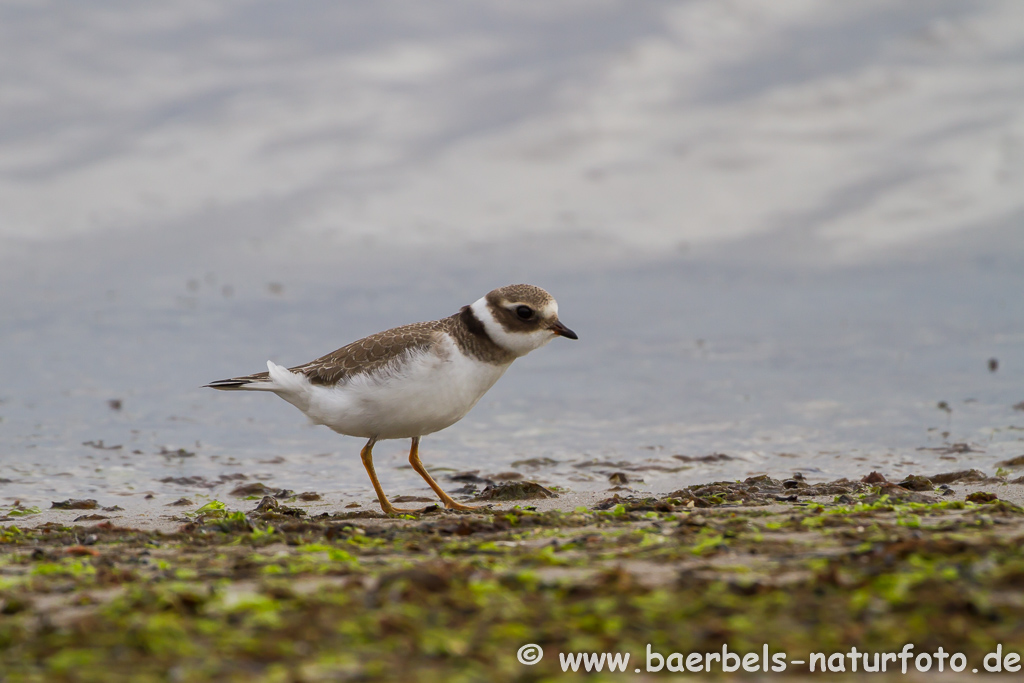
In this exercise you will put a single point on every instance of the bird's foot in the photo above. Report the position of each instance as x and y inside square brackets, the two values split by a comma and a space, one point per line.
[453, 505]
[392, 510]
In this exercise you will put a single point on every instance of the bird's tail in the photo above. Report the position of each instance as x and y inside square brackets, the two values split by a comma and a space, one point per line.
[277, 378]
[259, 381]
[240, 384]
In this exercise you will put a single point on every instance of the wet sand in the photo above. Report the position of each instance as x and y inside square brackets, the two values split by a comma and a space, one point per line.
[166, 514]
[284, 593]
[788, 235]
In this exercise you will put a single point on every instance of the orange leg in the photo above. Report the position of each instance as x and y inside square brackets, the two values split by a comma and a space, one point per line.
[414, 460]
[367, 455]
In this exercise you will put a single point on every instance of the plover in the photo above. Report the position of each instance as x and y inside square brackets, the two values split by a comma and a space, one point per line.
[417, 379]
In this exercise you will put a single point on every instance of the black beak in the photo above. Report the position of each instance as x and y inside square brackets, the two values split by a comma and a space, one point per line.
[563, 331]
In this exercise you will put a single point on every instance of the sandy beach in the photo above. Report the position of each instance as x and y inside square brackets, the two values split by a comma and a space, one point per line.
[787, 234]
[294, 594]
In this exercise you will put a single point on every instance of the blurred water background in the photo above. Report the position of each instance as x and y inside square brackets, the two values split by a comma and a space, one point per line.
[789, 233]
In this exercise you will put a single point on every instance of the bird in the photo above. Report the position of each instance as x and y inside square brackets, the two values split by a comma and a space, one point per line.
[414, 380]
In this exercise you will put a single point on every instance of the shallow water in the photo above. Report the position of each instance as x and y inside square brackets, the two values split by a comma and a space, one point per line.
[831, 372]
[790, 257]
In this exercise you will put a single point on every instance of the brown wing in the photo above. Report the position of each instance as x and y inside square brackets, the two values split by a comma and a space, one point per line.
[365, 355]
[369, 353]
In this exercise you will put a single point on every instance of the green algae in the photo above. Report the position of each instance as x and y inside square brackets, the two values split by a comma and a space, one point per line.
[21, 511]
[449, 596]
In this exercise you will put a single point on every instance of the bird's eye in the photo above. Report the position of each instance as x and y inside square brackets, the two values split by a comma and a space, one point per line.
[524, 312]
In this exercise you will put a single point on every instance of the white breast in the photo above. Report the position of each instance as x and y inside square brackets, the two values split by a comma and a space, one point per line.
[424, 392]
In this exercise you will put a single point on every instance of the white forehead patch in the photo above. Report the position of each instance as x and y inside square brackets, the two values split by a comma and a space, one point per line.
[518, 343]
[550, 309]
